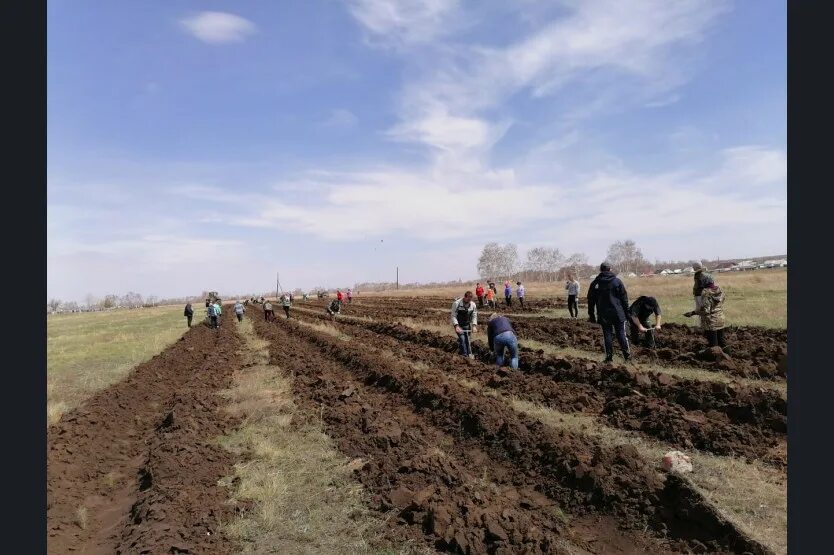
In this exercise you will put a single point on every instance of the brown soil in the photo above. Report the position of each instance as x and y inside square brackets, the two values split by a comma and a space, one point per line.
[466, 473]
[753, 352]
[135, 468]
[719, 418]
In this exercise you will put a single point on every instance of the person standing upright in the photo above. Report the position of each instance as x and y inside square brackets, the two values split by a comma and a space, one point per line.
[490, 297]
[607, 294]
[508, 293]
[350, 296]
[239, 310]
[479, 292]
[339, 296]
[219, 310]
[520, 293]
[697, 287]
[188, 313]
[711, 312]
[212, 315]
[286, 302]
[269, 315]
[572, 287]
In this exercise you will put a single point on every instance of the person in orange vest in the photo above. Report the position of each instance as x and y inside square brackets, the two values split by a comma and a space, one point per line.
[490, 297]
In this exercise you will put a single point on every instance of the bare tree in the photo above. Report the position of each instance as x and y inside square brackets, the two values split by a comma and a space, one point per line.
[576, 262]
[509, 260]
[90, 300]
[543, 263]
[625, 256]
[490, 262]
[54, 304]
[110, 301]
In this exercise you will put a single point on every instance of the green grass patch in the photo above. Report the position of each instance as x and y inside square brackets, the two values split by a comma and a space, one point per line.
[86, 352]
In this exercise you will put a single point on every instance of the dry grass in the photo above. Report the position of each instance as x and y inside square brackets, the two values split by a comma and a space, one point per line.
[648, 365]
[754, 298]
[305, 499]
[86, 352]
[751, 495]
[81, 517]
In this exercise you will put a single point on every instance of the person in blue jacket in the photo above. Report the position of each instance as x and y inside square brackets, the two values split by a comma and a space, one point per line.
[500, 336]
[607, 294]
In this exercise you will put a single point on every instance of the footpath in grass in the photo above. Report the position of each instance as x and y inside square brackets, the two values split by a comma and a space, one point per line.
[86, 352]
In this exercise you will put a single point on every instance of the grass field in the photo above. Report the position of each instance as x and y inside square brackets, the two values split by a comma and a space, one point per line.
[88, 351]
[754, 298]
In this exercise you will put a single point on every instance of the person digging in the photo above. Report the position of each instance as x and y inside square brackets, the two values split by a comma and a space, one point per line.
[334, 308]
[711, 313]
[464, 318]
[638, 315]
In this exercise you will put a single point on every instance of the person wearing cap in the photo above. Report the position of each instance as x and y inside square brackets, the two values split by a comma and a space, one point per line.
[700, 272]
[500, 336]
[239, 310]
[711, 312]
[638, 314]
[607, 295]
[519, 291]
[464, 318]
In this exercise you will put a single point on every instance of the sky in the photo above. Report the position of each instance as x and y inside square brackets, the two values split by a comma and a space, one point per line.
[208, 145]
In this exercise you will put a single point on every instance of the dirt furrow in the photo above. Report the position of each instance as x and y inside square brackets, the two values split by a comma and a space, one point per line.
[756, 352]
[134, 469]
[717, 418]
[574, 470]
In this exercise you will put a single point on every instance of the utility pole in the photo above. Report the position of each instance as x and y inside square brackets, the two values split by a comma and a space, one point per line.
[398, 278]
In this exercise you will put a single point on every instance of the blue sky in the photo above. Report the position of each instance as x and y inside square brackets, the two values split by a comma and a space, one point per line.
[207, 145]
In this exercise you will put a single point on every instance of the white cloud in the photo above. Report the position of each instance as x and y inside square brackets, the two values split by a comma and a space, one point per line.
[620, 52]
[746, 166]
[219, 27]
[403, 21]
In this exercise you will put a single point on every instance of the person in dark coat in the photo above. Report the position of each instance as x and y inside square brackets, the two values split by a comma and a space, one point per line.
[638, 314]
[607, 295]
[188, 313]
[500, 336]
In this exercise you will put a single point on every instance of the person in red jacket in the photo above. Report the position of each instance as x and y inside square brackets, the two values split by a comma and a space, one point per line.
[479, 292]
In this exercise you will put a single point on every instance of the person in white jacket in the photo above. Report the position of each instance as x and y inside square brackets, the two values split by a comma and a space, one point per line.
[465, 320]
[572, 287]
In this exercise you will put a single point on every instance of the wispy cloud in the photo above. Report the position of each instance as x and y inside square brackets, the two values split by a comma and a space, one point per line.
[399, 22]
[219, 27]
[617, 52]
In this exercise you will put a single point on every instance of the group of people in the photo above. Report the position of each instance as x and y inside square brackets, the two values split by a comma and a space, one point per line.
[487, 296]
[608, 305]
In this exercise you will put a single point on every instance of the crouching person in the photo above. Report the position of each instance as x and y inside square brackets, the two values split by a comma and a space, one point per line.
[500, 336]
[334, 308]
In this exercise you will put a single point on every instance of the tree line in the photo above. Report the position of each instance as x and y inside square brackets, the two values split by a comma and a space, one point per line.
[543, 263]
